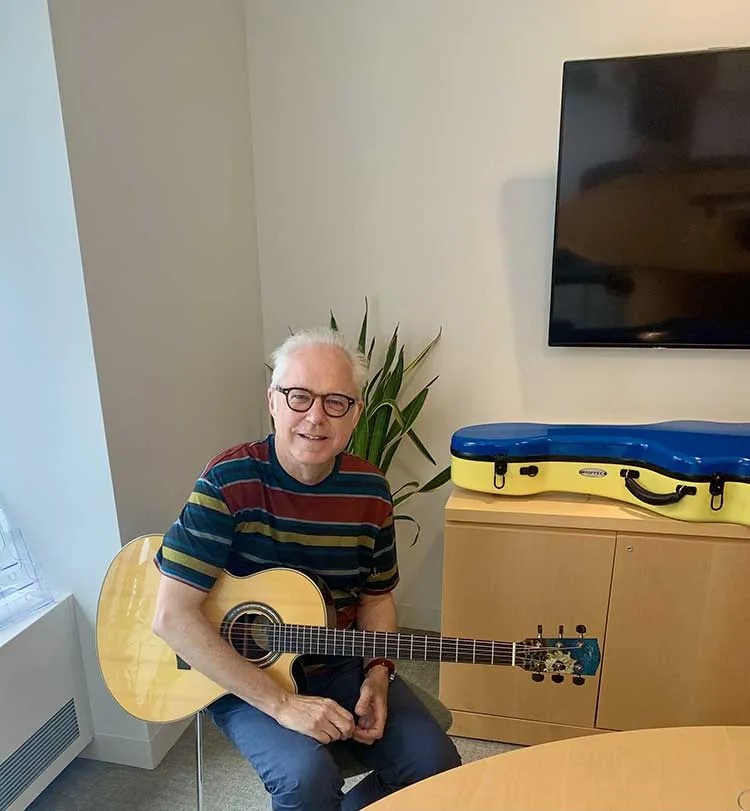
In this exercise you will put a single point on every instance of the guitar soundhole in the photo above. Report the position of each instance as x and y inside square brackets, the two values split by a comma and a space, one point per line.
[246, 628]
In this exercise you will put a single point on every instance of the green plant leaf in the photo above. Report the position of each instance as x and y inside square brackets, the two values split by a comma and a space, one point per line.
[390, 452]
[371, 384]
[362, 341]
[414, 521]
[369, 351]
[380, 418]
[420, 446]
[333, 325]
[423, 354]
[436, 481]
[403, 486]
[413, 488]
[390, 353]
[410, 411]
[398, 430]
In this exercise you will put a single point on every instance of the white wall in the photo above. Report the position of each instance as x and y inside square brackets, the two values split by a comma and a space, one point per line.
[131, 360]
[156, 110]
[54, 468]
[407, 151]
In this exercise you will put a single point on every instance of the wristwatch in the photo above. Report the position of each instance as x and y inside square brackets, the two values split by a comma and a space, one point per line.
[386, 663]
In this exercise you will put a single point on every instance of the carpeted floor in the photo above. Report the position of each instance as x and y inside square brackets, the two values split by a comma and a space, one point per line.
[230, 784]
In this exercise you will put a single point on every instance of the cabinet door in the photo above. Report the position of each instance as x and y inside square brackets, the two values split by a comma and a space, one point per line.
[676, 651]
[499, 583]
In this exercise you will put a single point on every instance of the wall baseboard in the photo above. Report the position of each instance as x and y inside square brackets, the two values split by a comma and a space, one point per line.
[134, 752]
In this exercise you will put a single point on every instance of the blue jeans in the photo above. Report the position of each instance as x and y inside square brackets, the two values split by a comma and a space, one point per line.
[300, 773]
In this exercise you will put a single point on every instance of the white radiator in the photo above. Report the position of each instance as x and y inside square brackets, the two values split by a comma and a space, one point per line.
[44, 713]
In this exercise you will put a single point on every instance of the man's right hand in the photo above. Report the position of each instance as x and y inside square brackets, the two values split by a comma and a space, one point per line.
[320, 718]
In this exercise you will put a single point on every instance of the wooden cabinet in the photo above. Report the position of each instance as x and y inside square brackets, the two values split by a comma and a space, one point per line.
[664, 598]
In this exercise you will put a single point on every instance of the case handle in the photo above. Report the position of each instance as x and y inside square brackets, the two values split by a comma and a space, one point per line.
[649, 497]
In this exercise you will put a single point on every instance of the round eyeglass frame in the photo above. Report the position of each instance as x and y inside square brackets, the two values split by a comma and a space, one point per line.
[313, 397]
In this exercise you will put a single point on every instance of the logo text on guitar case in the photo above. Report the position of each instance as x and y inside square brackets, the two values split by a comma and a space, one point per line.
[592, 472]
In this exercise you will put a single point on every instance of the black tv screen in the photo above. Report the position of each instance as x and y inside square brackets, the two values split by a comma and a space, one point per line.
[652, 218]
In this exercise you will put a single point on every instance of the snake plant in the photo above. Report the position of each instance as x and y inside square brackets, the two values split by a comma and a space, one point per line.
[385, 423]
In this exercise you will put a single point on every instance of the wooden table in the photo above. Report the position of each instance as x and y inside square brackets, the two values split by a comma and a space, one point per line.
[676, 769]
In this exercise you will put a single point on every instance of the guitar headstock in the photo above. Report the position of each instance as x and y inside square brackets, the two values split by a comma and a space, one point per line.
[560, 656]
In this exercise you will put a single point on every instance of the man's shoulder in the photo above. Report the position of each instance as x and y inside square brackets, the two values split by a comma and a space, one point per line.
[356, 475]
[235, 460]
[355, 464]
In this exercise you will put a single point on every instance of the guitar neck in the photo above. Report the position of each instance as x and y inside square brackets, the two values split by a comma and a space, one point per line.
[391, 644]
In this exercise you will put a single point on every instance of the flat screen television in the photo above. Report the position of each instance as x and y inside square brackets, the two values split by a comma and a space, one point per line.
[652, 215]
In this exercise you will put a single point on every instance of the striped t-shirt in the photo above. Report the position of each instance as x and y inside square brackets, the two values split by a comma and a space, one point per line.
[247, 514]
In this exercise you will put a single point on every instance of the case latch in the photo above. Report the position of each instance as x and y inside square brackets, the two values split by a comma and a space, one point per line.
[716, 489]
[501, 468]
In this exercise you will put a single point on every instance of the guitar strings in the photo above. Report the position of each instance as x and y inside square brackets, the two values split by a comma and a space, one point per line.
[309, 635]
[301, 630]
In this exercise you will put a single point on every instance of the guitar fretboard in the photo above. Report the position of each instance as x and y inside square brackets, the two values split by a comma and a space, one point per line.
[391, 644]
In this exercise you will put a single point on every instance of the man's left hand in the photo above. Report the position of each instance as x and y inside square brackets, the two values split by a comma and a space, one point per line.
[372, 708]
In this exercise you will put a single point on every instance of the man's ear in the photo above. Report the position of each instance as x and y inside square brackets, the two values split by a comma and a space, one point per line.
[359, 407]
[271, 401]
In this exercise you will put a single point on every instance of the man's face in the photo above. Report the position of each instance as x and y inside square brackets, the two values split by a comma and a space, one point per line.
[307, 443]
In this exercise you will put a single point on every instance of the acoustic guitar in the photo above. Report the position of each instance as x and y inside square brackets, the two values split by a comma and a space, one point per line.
[271, 618]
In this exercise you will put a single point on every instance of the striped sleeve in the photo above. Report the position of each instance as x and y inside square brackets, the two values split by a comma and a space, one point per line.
[196, 547]
[383, 576]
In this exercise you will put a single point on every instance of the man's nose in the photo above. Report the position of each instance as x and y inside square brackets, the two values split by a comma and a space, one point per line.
[316, 412]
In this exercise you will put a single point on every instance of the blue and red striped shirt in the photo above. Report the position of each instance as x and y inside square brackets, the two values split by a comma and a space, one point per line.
[247, 514]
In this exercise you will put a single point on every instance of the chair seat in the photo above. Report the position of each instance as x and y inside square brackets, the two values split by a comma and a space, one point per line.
[350, 765]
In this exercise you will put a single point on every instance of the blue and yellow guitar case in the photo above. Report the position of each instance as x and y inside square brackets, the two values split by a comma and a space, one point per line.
[692, 470]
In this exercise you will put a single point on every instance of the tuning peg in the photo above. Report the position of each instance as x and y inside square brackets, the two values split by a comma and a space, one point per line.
[557, 678]
[537, 676]
[578, 680]
[580, 630]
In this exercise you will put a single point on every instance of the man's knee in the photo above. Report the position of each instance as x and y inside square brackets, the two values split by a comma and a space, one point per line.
[309, 781]
[430, 754]
[436, 754]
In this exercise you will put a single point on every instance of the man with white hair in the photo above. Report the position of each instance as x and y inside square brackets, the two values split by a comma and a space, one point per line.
[296, 499]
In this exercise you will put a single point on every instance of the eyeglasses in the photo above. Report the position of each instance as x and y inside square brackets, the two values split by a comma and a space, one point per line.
[334, 405]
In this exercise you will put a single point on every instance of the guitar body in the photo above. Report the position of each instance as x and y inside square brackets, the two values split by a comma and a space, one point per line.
[142, 672]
